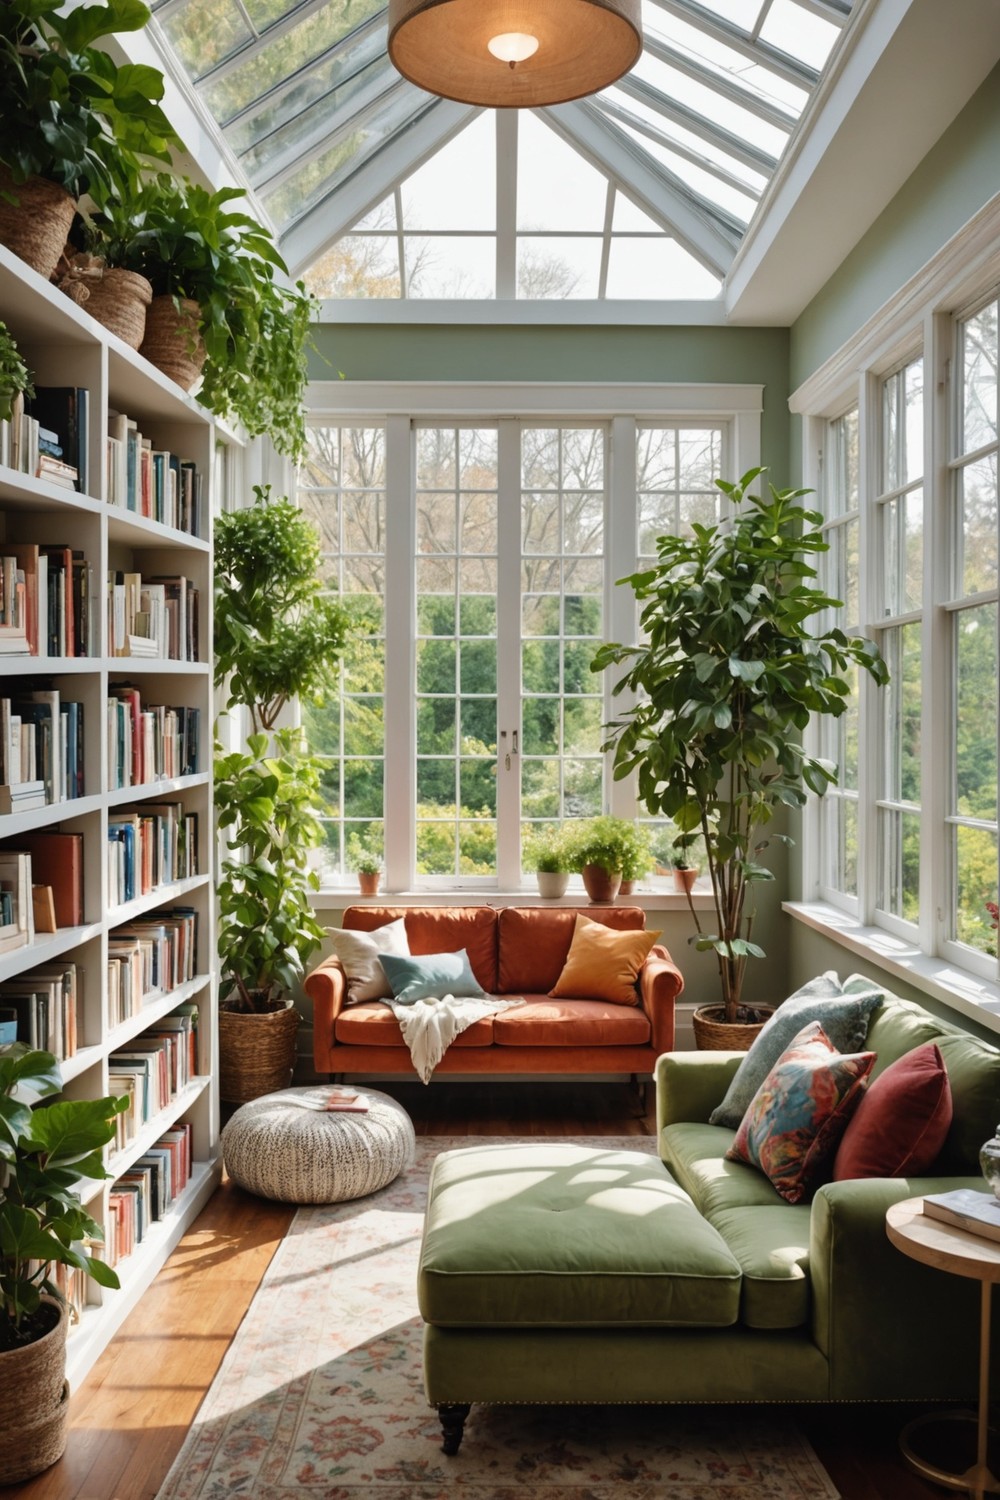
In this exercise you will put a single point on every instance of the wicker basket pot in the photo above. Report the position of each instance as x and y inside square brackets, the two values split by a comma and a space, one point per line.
[35, 1402]
[119, 301]
[36, 225]
[713, 1033]
[172, 341]
[256, 1051]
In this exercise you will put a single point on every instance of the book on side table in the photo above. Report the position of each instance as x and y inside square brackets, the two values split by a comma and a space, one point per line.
[977, 1213]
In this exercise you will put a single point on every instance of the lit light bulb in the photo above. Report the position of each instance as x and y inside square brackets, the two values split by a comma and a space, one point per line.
[513, 46]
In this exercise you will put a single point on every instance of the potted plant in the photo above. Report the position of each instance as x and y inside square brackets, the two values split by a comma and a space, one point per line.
[45, 1152]
[726, 681]
[601, 847]
[69, 116]
[15, 381]
[367, 863]
[221, 309]
[276, 637]
[546, 851]
[637, 858]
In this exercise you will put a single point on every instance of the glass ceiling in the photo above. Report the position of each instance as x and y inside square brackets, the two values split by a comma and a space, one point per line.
[377, 189]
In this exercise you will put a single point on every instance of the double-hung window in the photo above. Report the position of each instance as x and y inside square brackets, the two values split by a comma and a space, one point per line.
[479, 559]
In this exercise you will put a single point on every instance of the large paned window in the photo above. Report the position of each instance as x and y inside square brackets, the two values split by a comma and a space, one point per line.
[908, 478]
[479, 558]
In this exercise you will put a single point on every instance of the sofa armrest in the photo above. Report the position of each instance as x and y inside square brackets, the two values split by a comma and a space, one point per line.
[660, 982]
[889, 1326]
[326, 987]
[690, 1084]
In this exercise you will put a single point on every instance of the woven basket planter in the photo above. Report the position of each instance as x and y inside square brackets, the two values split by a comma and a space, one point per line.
[256, 1052]
[713, 1033]
[172, 342]
[36, 226]
[119, 302]
[35, 1403]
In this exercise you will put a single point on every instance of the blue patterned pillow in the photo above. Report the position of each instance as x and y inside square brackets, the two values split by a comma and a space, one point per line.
[430, 976]
[843, 1009]
[796, 1118]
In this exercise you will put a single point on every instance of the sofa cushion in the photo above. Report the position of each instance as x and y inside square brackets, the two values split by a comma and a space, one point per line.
[430, 976]
[798, 1115]
[603, 964]
[371, 1024]
[533, 942]
[544, 1022]
[441, 929]
[900, 1125]
[974, 1074]
[772, 1247]
[359, 955]
[843, 1010]
[896, 1027]
[560, 1235]
[696, 1156]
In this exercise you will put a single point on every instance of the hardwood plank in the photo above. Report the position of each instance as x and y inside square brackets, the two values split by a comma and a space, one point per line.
[130, 1416]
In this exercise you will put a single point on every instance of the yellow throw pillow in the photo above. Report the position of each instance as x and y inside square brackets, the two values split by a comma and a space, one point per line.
[603, 963]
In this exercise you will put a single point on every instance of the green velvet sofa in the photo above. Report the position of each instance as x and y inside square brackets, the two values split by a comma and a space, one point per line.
[554, 1272]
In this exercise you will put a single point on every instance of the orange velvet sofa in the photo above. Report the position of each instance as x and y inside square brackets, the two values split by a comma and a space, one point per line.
[513, 951]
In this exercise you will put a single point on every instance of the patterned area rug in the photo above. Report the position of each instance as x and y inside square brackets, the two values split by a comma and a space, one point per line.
[321, 1395]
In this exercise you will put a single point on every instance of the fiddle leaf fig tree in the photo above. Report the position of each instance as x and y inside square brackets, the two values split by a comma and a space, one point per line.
[276, 638]
[730, 672]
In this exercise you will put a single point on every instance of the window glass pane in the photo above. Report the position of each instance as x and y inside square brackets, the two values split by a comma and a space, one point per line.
[656, 268]
[977, 525]
[976, 728]
[903, 549]
[676, 469]
[903, 427]
[557, 266]
[900, 706]
[556, 187]
[450, 266]
[430, 199]
[342, 490]
[979, 379]
[976, 871]
[899, 863]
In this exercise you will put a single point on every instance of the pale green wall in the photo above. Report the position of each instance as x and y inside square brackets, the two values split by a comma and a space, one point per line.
[955, 179]
[756, 356]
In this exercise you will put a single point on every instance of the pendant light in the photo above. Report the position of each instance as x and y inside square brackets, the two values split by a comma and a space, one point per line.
[514, 53]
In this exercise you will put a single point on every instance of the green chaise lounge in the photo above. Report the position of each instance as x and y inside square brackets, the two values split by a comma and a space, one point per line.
[554, 1273]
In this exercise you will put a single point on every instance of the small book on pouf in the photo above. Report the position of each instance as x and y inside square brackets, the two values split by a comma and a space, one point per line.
[978, 1213]
[323, 1100]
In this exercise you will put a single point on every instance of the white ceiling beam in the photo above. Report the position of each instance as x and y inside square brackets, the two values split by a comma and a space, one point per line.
[721, 83]
[711, 237]
[689, 119]
[782, 64]
[337, 210]
[642, 126]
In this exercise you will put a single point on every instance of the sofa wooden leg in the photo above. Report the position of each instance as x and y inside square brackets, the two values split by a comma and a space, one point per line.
[452, 1416]
[639, 1089]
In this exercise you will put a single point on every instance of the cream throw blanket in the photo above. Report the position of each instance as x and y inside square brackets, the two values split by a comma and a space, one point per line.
[430, 1026]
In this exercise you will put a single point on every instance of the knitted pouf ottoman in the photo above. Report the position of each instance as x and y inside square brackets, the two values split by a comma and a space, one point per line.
[280, 1149]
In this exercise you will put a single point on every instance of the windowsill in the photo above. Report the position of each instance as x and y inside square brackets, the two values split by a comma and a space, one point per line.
[979, 999]
[649, 899]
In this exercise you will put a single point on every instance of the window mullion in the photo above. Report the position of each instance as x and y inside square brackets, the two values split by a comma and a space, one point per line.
[871, 735]
[937, 685]
[621, 554]
[400, 662]
[509, 653]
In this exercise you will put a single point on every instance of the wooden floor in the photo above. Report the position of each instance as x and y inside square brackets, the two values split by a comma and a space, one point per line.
[129, 1417]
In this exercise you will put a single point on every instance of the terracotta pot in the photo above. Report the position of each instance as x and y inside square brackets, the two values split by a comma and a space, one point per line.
[684, 879]
[552, 883]
[368, 882]
[713, 1033]
[600, 884]
[36, 1402]
[172, 342]
[36, 226]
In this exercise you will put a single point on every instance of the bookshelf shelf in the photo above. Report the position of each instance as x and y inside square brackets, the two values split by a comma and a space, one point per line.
[183, 457]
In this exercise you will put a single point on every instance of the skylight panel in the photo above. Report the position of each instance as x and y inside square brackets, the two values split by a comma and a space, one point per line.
[456, 189]
[712, 53]
[711, 105]
[556, 187]
[450, 266]
[656, 269]
[558, 267]
[203, 33]
[335, 79]
[799, 31]
[318, 119]
[736, 172]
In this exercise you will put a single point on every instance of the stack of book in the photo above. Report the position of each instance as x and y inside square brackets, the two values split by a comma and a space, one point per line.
[149, 958]
[149, 480]
[45, 1004]
[41, 743]
[151, 741]
[150, 1073]
[152, 616]
[965, 1208]
[143, 1194]
[149, 846]
[46, 597]
[60, 416]
[17, 921]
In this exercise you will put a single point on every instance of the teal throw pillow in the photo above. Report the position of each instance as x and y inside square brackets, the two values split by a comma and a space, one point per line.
[842, 1009]
[430, 975]
[798, 1115]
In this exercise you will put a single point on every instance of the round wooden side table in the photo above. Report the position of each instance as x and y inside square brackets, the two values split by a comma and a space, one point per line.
[947, 1248]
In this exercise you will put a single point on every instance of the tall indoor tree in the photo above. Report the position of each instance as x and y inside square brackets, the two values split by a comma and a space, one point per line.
[726, 680]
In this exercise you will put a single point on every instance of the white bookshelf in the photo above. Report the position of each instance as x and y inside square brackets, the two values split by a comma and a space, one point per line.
[63, 346]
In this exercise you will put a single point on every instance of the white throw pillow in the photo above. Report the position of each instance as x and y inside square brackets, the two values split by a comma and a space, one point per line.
[359, 951]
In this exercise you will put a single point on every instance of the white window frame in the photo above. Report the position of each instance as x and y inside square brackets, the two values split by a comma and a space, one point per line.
[621, 407]
[922, 318]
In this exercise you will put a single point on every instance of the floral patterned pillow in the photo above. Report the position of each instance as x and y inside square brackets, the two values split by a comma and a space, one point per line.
[796, 1118]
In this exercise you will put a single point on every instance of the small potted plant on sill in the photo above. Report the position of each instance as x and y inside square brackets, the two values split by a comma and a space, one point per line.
[366, 863]
[685, 864]
[546, 851]
[46, 1153]
[601, 847]
[15, 381]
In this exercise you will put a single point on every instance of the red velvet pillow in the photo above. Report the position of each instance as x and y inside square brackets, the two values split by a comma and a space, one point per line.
[900, 1125]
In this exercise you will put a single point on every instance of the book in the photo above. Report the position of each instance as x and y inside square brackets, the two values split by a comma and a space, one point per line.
[977, 1213]
[325, 1100]
[57, 861]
